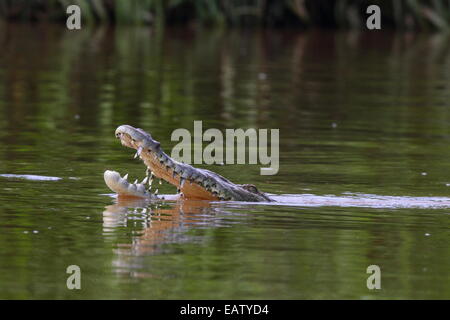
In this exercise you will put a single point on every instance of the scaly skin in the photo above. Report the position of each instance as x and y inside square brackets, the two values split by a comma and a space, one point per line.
[193, 183]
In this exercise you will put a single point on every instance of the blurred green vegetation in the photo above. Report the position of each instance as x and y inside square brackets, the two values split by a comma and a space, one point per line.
[405, 14]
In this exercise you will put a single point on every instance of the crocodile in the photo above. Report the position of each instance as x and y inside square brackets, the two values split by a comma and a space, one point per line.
[192, 183]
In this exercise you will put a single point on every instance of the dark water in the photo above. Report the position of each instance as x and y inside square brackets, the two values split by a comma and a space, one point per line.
[364, 125]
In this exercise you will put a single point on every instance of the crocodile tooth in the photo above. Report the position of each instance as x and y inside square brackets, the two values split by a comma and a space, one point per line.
[156, 191]
[135, 181]
[140, 188]
[185, 174]
[136, 155]
[145, 180]
[160, 181]
[168, 162]
[139, 151]
[147, 172]
[162, 158]
[178, 168]
[150, 181]
[182, 180]
[199, 180]
[125, 177]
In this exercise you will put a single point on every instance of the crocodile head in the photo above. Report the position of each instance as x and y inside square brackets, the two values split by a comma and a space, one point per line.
[192, 183]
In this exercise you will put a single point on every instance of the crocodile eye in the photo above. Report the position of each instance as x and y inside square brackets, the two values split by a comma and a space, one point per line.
[251, 188]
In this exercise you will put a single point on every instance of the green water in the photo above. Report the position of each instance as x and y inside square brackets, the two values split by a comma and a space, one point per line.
[364, 114]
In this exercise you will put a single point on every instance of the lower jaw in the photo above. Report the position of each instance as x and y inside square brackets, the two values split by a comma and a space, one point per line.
[123, 188]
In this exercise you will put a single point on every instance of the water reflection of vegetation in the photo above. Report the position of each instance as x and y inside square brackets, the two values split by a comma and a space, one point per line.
[400, 13]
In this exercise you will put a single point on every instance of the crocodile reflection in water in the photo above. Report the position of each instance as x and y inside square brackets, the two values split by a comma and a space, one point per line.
[159, 222]
[165, 222]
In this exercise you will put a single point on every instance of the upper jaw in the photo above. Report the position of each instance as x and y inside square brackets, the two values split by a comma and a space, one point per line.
[136, 138]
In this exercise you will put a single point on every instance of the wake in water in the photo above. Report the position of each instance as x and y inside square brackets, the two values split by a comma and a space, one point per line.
[310, 200]
[348, 199]
[33, 177]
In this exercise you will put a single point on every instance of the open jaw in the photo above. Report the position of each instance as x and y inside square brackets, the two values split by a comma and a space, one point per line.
[191, 183]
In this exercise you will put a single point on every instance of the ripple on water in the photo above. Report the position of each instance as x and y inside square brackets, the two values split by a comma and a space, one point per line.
[31, 177]
[362, 200]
